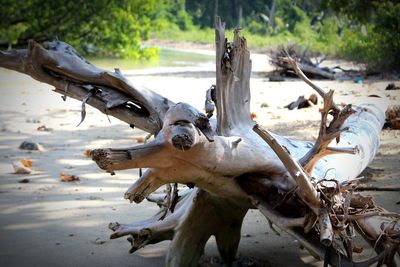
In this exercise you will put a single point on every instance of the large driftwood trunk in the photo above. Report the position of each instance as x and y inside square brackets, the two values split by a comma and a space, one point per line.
[232, 164]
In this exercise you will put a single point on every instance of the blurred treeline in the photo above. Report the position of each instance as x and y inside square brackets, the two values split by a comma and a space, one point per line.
[362, 30]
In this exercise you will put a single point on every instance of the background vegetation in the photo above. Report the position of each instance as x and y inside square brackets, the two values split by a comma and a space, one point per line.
[361, 30]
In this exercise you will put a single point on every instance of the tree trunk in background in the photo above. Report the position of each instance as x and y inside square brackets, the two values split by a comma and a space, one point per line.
[216, 2]
[271, 22]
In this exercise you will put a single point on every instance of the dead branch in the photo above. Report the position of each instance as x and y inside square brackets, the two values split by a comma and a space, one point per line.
[303, 62]
[307, 191]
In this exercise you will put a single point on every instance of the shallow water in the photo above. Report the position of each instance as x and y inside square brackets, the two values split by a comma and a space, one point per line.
[166, 58]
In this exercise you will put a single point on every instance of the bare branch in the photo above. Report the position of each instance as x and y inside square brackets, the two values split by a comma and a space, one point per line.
[306, 190]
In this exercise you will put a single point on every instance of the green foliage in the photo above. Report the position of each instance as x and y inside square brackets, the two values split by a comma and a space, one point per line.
[331, 27]
[13, 33]
[117, 28]
[203, 12]
[379, 44]
[103, 27]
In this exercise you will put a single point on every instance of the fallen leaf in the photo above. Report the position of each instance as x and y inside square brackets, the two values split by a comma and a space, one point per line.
[253, 115]
[87, 153]
[24, 181]
[358, 249]
[19, 168]
[26, 162]
[68, 178]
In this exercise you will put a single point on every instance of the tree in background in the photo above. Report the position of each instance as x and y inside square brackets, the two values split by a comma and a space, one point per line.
[233, 11]
[361, 30]
[101, 27]
[374, 35]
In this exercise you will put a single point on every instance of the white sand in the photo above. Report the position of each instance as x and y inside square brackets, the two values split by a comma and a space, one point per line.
[49, 223]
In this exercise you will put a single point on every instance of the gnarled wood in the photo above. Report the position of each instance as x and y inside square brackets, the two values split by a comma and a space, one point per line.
[58, 64]
[232, 167]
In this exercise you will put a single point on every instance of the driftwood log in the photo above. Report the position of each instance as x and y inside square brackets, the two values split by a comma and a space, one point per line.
[231, 164]
[309, 67]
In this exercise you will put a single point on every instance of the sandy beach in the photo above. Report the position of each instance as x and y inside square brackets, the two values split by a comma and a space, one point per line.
[46, 222]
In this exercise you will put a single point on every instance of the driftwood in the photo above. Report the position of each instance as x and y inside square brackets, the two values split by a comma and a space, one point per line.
[304, 62]
[231, 164]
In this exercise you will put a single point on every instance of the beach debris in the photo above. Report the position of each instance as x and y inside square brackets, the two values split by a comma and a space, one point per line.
[95, 198]
[43, 128]
[68, 177]
[264, 105]
[20, 168]
[303, 60]
[253, 115]
[393, 117]
[276, 76]
[302, 102]
[32, 121]
[99, 241]
[26, 162]
[28, 145]
[392, 86]
[24, 181]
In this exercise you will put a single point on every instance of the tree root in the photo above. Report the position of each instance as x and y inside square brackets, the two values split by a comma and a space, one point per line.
[196, 217]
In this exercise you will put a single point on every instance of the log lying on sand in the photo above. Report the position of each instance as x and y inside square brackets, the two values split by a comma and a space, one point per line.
[304, 63]
[231, 167]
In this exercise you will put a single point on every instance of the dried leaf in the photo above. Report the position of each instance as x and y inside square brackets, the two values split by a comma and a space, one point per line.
[19, 168]
[87, 153]
[68, 178]
[26, 162]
